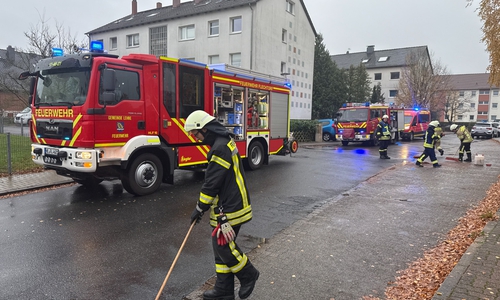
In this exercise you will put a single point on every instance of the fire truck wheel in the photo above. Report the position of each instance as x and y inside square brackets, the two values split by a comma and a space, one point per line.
[144, 175]
[294, 146]
[412, 136]
[255, 156]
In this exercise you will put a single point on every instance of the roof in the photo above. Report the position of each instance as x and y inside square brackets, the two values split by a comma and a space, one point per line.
[394, 57]
[470, 81]
[185, 9]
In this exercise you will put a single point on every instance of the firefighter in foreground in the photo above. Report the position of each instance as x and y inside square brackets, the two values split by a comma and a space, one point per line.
[225, 193]
[431, 137]
[383, 135]
[465, 140]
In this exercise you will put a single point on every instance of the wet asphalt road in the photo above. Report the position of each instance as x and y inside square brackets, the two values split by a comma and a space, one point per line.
[75, 243]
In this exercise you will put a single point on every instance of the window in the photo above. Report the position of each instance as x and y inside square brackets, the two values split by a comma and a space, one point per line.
[235, 59]
[472, 105]
[364, 61]
[236, 25]
[186, 32]
[113, 43]
[290, 7]
[378, 76]
[493, 118]
[158, 41]
[471, 117]
[283, 68]
[494, 105]
[213, 59]
[461, 93]
[483, 102]
[484, 92]
[394, 75]
[393, 93]
[191, 87]
[283, 36]
[127, 87]
[384, 58]
[169, 88]
[459, 117]
[495, 92]
[213, 28]
[133, 40]
[473, 93]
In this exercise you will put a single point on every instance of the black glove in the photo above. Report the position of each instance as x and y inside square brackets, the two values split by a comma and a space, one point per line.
[441, 151]
[196, 215]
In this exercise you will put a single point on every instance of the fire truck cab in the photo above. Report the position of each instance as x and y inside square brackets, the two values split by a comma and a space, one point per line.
[416, 122]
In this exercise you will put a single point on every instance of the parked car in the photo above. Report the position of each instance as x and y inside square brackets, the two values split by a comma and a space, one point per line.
[23, 117]
[485, 129]
[329, 129]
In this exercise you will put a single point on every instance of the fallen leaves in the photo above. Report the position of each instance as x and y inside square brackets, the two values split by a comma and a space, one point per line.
[423, 277]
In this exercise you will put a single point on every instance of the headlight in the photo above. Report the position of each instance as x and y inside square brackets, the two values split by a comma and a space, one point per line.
[83, 155]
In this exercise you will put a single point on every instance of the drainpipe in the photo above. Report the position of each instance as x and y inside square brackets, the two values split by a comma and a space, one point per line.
[251, 38]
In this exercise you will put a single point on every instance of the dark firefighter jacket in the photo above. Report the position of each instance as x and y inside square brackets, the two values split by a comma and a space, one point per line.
[225, 185]
[431, 137]
[383, 133]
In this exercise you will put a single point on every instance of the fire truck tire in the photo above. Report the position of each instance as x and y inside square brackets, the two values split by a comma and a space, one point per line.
[294, 146]
[345, 143]
[255, 156]
[412, 136]
[144, 175]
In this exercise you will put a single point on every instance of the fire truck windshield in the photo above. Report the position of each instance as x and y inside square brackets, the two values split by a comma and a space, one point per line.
[62, 87]
[353, 115]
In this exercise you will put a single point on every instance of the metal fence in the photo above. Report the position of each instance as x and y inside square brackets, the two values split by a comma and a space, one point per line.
[15, 148]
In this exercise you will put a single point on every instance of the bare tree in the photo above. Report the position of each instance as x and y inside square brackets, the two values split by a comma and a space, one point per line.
[422, 82]
[456, 105]
[41, 39]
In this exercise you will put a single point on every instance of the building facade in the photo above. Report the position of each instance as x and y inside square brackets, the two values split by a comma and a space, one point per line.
[274, 37]
[479, 101]
[383, 66]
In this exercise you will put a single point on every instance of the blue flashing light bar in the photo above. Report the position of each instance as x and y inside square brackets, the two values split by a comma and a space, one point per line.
[57, 52]
[97, 46]
[416, 108]
[288, 85]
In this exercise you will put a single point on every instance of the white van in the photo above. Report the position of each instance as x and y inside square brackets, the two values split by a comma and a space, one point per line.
[23, 117]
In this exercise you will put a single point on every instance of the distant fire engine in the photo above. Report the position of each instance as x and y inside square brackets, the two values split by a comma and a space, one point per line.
[357, 122]
[97, 117]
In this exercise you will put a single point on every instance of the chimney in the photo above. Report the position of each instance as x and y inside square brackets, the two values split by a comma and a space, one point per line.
[370, 49]
[158, 4]
[176, 3]
[134, 7]
[11, 54]
[197, 1]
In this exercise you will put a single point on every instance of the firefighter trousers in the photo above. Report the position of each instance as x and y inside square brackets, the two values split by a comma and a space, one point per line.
[428, 152]
[464, 147]
[231, 261]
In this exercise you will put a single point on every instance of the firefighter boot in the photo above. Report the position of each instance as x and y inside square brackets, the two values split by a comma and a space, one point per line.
[460, 157]
[436, 165]
[223, 289]
[382, 156]
[469, 157]
[248, 277]
[386, 157]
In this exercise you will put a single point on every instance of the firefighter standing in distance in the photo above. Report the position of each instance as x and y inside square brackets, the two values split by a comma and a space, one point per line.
[439, 131]
[465, 140]
[225, 193]
[383, 135]
[430, 140]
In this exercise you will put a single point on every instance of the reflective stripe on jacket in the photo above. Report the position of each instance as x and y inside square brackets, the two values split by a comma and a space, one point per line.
[225, 186]
[464, 135]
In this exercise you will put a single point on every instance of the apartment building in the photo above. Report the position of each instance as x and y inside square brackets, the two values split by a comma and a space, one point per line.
[274, 37]
[382, 66]
[479, 101]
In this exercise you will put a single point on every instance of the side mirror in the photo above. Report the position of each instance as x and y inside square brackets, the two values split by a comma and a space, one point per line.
[24, 75]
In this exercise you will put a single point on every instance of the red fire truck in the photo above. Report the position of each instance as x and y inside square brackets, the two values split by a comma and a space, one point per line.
[357, 122]
[97, 116]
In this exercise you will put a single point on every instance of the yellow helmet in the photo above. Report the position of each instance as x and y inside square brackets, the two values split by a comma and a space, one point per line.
[197, 120]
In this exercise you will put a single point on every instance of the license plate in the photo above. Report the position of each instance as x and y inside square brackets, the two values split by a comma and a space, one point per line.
[52, 160]
[51, 151]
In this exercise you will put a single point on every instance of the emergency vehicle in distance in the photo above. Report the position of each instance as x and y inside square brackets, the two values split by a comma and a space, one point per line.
[100, 117]
[357, 122]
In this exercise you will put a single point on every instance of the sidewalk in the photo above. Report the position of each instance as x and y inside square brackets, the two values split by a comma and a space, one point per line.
[295, 264]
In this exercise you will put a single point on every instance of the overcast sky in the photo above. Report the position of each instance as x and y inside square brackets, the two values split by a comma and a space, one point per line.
[451, 31]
